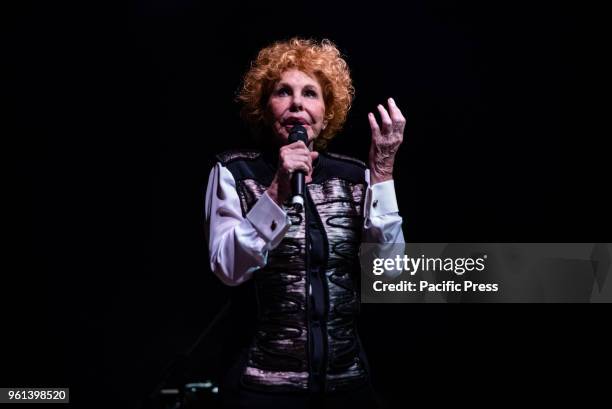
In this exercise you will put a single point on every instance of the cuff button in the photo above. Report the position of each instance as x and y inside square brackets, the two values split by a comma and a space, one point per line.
[273, 225]
[375, 203]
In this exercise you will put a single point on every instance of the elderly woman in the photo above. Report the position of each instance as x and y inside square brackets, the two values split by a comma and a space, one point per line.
[304, 260]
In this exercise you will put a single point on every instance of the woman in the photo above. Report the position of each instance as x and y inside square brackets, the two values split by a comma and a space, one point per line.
[304, 260]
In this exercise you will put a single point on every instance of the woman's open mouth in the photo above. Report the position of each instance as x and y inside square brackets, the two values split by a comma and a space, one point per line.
[290, 126]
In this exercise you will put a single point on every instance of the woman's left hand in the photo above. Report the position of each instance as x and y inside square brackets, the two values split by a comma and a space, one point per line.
[385, 141]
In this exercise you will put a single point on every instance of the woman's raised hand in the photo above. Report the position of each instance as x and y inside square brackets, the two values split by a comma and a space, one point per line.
[386, 140]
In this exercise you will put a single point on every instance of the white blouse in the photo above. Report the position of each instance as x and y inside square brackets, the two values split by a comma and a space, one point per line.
[239, 245]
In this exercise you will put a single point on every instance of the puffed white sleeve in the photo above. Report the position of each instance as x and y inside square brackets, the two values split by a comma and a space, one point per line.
[239, 245]
[382, 223]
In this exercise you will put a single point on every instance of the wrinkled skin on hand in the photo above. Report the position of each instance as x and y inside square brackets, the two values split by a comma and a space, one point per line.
[386, 140]
[291, 158]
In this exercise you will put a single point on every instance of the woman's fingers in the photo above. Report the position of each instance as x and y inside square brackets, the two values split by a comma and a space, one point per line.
[392, 120]
[298, 162]
[373, 125]
[297, 157]
[293, 157]
[387, 124]
[304, 166]
[397, 118]
[297, 145]
[394, 111]
[296, 148]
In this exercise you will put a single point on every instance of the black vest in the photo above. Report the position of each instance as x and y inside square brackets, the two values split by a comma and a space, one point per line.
[306, 338]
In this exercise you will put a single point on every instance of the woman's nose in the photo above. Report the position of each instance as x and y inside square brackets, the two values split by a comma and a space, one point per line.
[296, 104]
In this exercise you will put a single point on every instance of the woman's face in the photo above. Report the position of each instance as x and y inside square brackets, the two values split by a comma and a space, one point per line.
[296, 98]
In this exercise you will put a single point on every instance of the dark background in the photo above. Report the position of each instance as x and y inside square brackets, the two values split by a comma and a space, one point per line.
[113, 113]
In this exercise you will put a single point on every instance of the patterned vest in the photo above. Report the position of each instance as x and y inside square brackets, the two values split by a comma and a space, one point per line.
[306, 338]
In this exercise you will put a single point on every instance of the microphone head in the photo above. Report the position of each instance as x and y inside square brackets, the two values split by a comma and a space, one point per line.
[298, 133]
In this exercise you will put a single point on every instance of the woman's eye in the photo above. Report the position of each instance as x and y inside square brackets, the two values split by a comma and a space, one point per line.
[282, 91]
[310, 93]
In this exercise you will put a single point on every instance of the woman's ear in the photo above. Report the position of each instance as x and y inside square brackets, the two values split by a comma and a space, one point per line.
[325, 124]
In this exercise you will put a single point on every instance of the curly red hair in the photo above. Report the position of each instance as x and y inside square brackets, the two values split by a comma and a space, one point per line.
[321, 60]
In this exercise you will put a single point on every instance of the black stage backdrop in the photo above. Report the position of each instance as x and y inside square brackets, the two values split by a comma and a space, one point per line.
[114, 113]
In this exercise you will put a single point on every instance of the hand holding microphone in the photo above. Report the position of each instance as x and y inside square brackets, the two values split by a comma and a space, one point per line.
[294, 168]
[298, 133]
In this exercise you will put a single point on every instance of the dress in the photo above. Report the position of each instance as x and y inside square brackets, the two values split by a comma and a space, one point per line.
[306, 271]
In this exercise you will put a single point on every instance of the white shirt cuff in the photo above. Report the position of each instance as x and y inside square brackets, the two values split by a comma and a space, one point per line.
[270, 221]
[380, 199]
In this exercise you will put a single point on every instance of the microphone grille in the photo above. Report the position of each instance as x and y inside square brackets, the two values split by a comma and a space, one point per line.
[298, 133]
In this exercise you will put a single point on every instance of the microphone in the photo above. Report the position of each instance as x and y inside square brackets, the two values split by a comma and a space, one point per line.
[298, 133]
